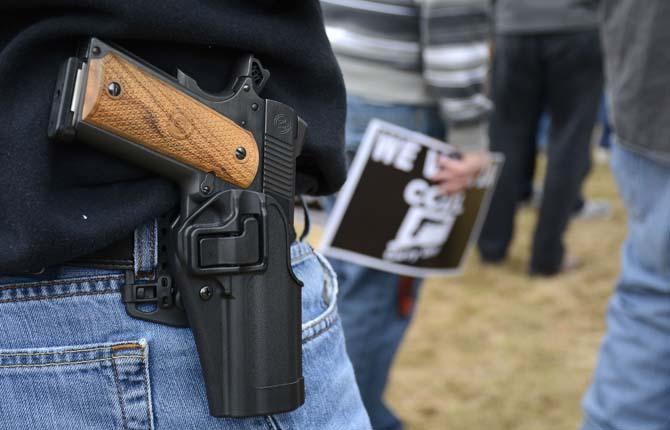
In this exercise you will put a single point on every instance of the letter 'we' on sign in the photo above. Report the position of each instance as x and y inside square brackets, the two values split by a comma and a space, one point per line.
[391, 217]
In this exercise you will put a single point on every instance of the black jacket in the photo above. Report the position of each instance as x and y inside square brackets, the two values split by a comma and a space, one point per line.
[61, 201]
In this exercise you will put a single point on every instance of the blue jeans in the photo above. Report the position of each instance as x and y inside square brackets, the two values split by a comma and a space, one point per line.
[631, 386]
[603, 118]
[376, 307]
[71, 358]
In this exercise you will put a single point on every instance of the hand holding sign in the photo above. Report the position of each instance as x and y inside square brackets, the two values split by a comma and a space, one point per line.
[406, 207]
[455, 174]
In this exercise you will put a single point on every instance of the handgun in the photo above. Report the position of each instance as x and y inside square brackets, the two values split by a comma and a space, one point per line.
[226, 269]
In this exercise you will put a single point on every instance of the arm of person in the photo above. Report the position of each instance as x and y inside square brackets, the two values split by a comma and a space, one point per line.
[456, 37]
[456, 42]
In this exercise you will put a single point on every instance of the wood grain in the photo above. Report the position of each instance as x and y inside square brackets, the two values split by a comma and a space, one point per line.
[154, 114]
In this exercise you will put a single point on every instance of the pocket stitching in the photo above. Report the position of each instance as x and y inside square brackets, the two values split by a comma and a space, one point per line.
[60, 296]
[67, 363]
[328, 323]
[117, 383]
[316, 327]
[147, 393]
[65, 351]
[147, 382]
[55, 351]
[78, 280]
[97, 356]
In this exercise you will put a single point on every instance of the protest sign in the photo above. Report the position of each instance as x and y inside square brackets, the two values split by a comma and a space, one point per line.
[390, 216]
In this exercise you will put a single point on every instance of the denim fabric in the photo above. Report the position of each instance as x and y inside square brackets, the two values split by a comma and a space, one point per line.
[424, 119]
[631, 386]
[71, 358]
[373, 328]
[604, 120]
[368, 298]
[146, 250]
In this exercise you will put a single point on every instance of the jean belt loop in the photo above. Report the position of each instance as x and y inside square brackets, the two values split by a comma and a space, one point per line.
[146, 250]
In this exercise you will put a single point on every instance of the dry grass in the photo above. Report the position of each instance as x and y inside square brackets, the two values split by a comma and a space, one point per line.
[496, 350]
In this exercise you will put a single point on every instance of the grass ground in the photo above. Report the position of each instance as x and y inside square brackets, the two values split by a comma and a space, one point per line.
[497, 350]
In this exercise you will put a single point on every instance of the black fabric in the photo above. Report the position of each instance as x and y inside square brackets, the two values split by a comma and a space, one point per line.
[561, 73]
[118, 255]
[61, 201]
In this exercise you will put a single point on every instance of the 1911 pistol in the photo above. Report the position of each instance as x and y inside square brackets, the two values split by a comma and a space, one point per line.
[228, 271]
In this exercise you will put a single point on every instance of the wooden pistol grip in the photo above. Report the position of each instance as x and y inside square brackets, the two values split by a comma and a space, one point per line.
[125, 100]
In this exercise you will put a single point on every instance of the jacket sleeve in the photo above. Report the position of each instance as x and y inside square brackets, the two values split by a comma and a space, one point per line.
[455, 37]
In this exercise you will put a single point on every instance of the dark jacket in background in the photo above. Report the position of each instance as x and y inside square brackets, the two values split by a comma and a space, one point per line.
[636, 40]
[61, 201]
[545, 16]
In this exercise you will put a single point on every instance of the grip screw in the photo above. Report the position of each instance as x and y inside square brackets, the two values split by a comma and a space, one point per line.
[240, 153]
[254, 106]
[206, 293]
[246, 87]
[114, 89]
[96, 50]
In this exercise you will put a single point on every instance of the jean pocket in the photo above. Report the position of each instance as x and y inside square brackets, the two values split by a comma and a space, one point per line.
[328, 300]
[100, 386]
[332, 400]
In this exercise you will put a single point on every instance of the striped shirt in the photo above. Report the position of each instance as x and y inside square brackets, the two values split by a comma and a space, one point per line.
[414, 52]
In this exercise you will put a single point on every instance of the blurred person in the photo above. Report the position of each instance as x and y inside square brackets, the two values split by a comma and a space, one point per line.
[419, 66]
[631, 385]
[531, 195]
[547, 55]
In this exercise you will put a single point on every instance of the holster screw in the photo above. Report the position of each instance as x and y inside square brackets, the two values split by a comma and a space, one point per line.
[206, 293]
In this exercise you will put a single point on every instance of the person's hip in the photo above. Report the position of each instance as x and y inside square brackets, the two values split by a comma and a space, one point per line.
[70, 357]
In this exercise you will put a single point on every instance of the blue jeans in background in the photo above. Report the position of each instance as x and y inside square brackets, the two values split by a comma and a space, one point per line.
[631, 386]
[603, 118]
[375, 306]
[71, 358]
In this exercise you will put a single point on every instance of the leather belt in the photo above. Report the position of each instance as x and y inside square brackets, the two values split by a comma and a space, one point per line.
[118, 255]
